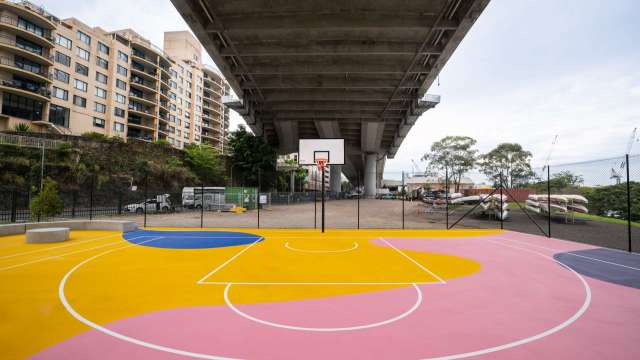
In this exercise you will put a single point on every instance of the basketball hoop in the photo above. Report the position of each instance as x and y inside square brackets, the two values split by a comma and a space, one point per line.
[321, 164]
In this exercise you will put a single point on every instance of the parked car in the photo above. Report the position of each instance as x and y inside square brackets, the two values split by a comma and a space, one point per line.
[387, 196]
[160, 203]
[352, 194]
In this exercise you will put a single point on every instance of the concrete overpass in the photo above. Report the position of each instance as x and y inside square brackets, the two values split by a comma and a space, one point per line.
[353, 69]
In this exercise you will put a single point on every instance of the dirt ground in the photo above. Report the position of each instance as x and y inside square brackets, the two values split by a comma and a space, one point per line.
[389, 214]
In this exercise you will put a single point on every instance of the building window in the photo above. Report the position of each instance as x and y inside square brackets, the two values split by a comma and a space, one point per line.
[97, 122]
[61, 76]
[28, 65]
[63, 59]
[82, 53]
[103, 48]
[118, 127]
[100, 77]
[121, 84]
[123, 57]
[82, 70]
[59, 115]
[120, 98]
[101, 93]
[80, 85]
[79, 101]
[102, 62]
[22, 107]
[60, 93]
[63, 41]
[101, 108]
[122, 70]
[118, 112]
[29, 26]
[84, 37]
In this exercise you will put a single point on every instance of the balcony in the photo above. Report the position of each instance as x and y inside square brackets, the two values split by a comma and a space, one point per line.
[137, 122]
[23, 70]
[141, 111]
[31, 12]
[36, 56]
[140, 97]
[141, 56]
[141, 84]
[11, 24]
[25, 89]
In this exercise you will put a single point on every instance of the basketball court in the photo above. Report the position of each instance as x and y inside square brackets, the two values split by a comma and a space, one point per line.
[287, 294]
[214, 293]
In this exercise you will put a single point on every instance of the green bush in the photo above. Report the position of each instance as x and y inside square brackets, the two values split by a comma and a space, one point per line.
[94, 135]
[22, 127]
[47, 203]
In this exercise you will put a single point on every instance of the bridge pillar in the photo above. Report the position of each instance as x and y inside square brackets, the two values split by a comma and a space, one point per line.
[370, 168]
[336, 178]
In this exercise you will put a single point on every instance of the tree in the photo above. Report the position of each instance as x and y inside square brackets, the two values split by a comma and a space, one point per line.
[284, 176]
[510, 160]
[47, 203]
[562, 181]
[251, 154]
[204, 161]
[453, 154]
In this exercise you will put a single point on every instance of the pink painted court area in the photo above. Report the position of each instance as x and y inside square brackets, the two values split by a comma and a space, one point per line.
[522, 304]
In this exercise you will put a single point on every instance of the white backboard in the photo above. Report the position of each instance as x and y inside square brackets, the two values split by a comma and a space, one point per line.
[309, 149]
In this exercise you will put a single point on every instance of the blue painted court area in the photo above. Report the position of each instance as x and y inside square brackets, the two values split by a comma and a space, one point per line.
[190, 239]
[613, 266]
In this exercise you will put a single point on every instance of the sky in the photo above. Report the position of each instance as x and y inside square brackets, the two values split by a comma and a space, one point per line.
[526, 71]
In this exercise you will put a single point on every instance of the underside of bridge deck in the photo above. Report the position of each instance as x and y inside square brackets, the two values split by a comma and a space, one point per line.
[352, 69]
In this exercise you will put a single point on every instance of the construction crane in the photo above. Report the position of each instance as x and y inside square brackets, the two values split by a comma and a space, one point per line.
[553, 145]
[414, 167]
[617, 174]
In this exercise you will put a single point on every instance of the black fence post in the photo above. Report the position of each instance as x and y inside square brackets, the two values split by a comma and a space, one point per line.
[91, 197]
[358, 195]
[501, 204]
[14, 205]
[144, 201]
[628, 204]
[446, 191]
[120, 202]
[315, 198]
[322, 199]
[201, 205]
[258, 198]
[74, 201]
[402, 194]
[548, 200]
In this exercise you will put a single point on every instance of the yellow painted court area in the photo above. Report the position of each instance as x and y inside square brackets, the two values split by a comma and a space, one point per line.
[133, 279]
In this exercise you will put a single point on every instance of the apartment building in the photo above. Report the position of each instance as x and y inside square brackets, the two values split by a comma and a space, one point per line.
[67, 77]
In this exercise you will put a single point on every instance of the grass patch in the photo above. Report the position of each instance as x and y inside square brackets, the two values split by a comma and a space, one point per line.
[606, 219]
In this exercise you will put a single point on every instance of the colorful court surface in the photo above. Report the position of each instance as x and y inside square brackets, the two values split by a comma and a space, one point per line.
[301, 294]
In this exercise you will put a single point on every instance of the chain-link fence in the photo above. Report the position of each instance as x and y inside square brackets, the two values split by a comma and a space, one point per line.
[594, 202]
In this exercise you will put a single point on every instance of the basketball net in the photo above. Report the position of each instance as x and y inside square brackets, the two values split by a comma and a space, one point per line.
[321, 164]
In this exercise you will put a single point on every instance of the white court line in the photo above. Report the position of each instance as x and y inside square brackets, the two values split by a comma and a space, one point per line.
[318, 283]
[104, 330]
[415, 262]
[228, 261]
[59, 256]
[564, 324]
[167, 349]
[355, 246]
[325, 329]
[570, 253]
[57, 247]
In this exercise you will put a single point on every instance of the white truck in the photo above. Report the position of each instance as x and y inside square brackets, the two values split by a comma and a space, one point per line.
[192, 197]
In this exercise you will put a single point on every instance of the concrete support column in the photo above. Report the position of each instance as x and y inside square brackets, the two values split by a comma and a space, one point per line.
[336, 178]
[370, 167]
